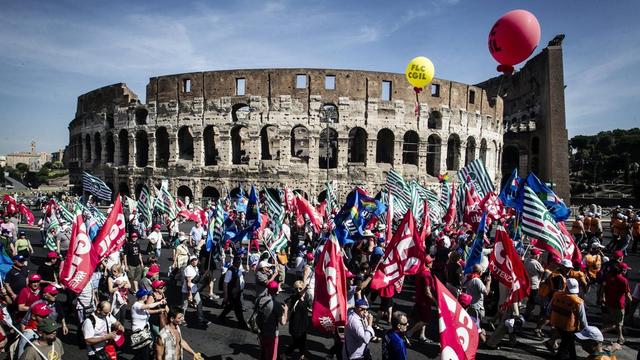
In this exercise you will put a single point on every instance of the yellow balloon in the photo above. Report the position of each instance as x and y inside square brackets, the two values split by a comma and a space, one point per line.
[420, 72]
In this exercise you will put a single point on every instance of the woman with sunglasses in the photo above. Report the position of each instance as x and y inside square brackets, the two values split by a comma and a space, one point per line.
[299, 310]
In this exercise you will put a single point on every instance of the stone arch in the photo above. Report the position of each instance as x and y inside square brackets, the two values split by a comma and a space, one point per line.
[483, 151]
[123, 138]
[470, 154]
[453, 152]
[435, 120]
[357, 145]
[123, 188]
[210, 192]
[300, 142]
[185, 143]
[162, 147]
[184, 191]
[87, 145]
[239, 136]
[210, 151]
[270, 143]
[240, 112]
[329, 113]
[434, 145]
[142, 149]
[97, 145]
[410, 148]
[328, 149]
[138, 190]
[141, 116]
[384, 146]
[111, 148]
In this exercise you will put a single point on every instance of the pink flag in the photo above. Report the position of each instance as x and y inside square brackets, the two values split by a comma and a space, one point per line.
[425, 231]
[450, 216]
[472, 210]
[303, 207]
[493, 206]
[330, 293]
[403, 255]
[112, 235]
[506, 265]
[572, 252]
[458, 333]
[12, 206]
[77, 268]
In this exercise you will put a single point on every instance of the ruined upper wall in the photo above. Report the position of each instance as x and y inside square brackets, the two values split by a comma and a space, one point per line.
[352, 84]
[105, 98]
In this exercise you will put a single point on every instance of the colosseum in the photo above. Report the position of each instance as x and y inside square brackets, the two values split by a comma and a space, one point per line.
[210, 132]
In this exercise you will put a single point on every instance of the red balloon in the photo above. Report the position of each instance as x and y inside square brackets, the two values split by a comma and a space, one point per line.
[513, 38]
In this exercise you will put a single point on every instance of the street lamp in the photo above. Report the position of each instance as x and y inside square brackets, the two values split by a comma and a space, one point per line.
[328, 114]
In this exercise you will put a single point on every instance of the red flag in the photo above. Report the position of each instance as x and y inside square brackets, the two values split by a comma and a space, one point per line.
[403, 255]
[458, 333]
[493, 206]
[330, 293]
[202, 215]
[189, 215]
[321, 209]
[180, 204]
[472, 210]
[112, 235]
[450, 216]
[506, 265]
[572, 251]
[303, 207]
[77, 268]
[12, 206]
[289, 200]
[24, 210]
[51, 205]
[425, 231]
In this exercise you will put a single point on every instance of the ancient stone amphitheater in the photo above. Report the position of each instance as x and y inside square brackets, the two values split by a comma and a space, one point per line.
[211, 132]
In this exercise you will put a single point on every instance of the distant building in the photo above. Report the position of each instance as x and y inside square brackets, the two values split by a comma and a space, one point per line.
[3, 161]
[33, 159]
[57, 156]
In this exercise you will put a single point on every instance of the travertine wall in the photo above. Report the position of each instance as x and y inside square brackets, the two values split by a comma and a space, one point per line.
[117, 138]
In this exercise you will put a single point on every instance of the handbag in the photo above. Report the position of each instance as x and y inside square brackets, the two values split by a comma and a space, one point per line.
[141, 338]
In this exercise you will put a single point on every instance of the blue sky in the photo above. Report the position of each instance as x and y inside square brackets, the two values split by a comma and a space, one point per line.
[53, 51]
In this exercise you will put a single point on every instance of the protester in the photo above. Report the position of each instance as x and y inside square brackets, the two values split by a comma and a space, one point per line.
[299, 305]
[118, 285]
[591, 341]
[170, 344]
[393, 343]
[23, 245]
[158, 319]
[264, 275]
[155, 241]
[49, 269]
[425, 298]
[46, 343]
[358, 332]
[535, 271]
[141, 333]
[568, 315]
[28, 296]
[233, 287]
[99, 330]
[133, 264]
[615, 296]
[477, 289]
[16, 278]
[29, 333]
[270, 313]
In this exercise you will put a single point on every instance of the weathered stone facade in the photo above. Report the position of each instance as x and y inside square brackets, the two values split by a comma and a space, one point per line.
[209, 132]
[535, 136]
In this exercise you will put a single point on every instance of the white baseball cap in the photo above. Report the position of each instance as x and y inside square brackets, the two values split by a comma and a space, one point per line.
[263, 264]
[572, 286]
[566, 263]
[590, 333]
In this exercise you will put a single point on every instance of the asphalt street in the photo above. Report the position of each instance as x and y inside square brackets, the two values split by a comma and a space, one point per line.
[229, 342]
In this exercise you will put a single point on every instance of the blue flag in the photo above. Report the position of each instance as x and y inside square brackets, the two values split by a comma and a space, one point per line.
[253, 209]
[512, 190]
[555, 205]
[5, 262]
[475, 255]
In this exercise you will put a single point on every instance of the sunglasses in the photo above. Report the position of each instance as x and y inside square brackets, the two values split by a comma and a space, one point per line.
[299, 289]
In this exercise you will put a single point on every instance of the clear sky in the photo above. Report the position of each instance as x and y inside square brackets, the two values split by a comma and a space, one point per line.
[53, 51]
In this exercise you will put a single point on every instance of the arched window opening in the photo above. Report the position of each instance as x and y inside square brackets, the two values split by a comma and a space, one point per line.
[123, 138]
[434, 144]
[185, 143]
[162, 147]
[185, 193]
[535, 166]
[300, 143]
[87, 145]
[483, 151]
[471, 151]
[270, 143]
[328, 150]
[142, 149]
[210, 151]
[239, 141]
[510, 161]
[535, 145]
[329, 113]
[435, 120]
[410, 148]
[453, 152]
[110, 121]
[357, 145]
[385, 146]
[322, 196]
[141, 116]
[111, 148]
[210, 193]
[123, 189]
[97, 145]
[240, 112]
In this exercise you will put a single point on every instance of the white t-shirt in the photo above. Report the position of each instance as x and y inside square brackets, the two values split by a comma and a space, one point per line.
[100, 329]
[229, 275]
[113, 259]
[139, 316]
[156, 239]
[191, 272]
[85, 298]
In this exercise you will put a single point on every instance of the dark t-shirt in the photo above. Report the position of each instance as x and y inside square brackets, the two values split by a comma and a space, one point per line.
[17, 279]
[132, 251]
[268, 315]
[47, 272]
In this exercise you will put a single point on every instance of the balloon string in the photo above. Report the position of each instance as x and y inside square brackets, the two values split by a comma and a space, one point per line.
[417, 107]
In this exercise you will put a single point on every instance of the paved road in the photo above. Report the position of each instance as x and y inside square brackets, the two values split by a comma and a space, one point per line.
[17, 185]
[228, 342]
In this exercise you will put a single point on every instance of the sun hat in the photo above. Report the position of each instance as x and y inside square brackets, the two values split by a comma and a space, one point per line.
[35, 277]
[142, 293]
[52, 255]
[263, 264]
[590, 333]
[566, 263]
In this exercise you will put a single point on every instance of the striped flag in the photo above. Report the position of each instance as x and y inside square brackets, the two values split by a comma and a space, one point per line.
[279, 243]
[51, 226]
[274, 208]
[332, 201]
[538, 223]
[66, 214]
[144, 206]
[95, 186]
[165, 204]
[477, 173]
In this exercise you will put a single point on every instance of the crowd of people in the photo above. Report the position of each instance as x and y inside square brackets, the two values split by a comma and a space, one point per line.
[132, 299]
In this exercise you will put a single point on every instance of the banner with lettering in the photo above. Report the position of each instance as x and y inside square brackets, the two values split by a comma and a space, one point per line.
[458, 333]
[330, 292]
[77, 268]
[506, 265]
[112, 235]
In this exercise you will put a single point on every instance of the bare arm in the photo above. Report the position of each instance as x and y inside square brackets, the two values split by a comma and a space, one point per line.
[159, 349]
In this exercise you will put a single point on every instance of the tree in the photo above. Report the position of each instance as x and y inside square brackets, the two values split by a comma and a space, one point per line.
[22, 167]
[58, 165]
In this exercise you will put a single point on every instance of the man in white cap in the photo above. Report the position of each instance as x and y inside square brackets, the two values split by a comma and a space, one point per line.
[591, 341]
[264, 275]
[568, 315]
[190, 294]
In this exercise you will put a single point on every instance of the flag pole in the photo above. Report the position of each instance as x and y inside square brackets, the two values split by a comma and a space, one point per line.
[27, 340]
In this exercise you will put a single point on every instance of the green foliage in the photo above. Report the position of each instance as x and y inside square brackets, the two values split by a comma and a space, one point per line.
[22, 167]
[58, 165]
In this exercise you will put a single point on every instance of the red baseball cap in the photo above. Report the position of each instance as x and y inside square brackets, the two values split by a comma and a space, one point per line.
[158, 283]
[536, 251]
[134, 235]
[35, 277]
[50, 289]
[52, 255]
[154, 268]
[618, 254]
[40, 309]
[273, 286]
[156, 226]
